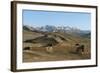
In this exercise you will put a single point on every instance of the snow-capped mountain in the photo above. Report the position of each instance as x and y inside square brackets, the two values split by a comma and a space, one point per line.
[29, 28]
[49, 28]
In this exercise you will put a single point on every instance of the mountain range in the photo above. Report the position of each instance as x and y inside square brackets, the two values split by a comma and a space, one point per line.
[67, 29]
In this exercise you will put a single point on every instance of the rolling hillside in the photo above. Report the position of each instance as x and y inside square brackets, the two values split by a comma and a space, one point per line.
[63, 45]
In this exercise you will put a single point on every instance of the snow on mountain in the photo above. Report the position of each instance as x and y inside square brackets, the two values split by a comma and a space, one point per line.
[49, 28]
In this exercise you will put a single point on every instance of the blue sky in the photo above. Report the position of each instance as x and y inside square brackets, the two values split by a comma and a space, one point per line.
[42, 18]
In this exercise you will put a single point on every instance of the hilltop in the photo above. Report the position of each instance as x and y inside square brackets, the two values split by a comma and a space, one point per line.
[63, 40]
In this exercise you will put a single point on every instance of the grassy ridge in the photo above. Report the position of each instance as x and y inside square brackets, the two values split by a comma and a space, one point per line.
[63, 50]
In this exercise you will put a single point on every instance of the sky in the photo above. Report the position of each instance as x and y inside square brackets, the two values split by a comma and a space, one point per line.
[72, 19]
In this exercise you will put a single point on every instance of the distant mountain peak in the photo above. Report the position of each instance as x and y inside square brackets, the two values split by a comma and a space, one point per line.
[51, 28]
